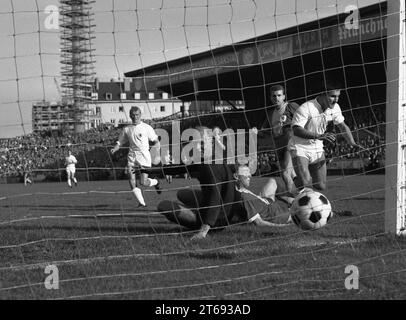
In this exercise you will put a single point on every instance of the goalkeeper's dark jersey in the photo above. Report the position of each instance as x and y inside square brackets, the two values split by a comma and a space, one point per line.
[221, 202]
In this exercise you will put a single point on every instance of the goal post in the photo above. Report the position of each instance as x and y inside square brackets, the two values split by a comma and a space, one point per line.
[395, 174]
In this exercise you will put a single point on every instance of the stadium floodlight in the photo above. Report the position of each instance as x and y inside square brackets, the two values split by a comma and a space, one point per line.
[395, 189]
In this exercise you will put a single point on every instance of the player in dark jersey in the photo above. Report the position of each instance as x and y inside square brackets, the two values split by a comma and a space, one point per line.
[221, 200]
[215, 204]
[270, 208]
[279, 118]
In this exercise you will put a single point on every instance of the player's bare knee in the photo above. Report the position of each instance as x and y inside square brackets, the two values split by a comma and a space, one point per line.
[269, 189]
[144, 182]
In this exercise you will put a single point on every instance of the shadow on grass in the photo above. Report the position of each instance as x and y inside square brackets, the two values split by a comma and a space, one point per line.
[99, 207]
[369, 198]
[136, 228]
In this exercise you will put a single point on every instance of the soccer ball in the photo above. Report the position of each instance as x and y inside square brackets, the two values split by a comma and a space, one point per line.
[311, 210]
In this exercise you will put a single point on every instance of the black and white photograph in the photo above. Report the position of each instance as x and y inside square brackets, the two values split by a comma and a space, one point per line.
[203, 156]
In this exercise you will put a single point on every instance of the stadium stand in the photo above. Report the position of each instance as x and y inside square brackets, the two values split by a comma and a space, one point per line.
[45, 153]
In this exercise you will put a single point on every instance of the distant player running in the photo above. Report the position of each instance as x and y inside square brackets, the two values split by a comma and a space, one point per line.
[71, 162]
[279, 118]
[167, 162]
[139, 135]
[27, 177]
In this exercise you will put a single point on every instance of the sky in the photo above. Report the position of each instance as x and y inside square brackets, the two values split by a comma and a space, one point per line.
[129, 35]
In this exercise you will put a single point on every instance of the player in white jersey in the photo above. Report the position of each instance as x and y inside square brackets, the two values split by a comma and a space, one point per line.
[139, 135]
[168, 161]
[309, 126]
[71, 162]
[27, 177]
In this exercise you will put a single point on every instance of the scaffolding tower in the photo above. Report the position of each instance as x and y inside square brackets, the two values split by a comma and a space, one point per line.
[77, 59]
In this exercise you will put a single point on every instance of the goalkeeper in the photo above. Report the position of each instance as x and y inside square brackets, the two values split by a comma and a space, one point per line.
[219, 202]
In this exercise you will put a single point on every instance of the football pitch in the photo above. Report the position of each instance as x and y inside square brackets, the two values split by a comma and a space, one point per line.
[103, 247]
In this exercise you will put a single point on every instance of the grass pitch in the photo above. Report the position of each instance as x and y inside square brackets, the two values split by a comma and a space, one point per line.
[106, 248]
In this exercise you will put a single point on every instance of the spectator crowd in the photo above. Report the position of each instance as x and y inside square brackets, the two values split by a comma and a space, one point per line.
[38, 152]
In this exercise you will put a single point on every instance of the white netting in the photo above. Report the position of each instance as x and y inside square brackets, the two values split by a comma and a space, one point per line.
[208, 63]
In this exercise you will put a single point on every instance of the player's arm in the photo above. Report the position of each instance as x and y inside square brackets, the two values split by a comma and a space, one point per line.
[258, 221]
[289, 113]
[155, 151]
[115, 148]
[306, 134]
[265, 140]
[253, 207]
[218, 139]
[155, 146]
[347, 134]
[299, 121]
[122, 139]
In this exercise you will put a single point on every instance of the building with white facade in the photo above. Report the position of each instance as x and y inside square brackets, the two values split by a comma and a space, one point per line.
[111, 102]
[52, 116]
[59, 116]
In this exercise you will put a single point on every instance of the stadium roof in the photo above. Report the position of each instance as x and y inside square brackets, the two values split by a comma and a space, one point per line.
[206, 75]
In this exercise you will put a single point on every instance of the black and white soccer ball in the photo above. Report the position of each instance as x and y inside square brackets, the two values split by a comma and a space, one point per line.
[311, 210]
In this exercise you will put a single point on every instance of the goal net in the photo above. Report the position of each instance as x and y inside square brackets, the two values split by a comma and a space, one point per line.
[73, 69]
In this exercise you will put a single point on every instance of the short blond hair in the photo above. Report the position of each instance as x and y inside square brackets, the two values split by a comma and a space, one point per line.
[243, 170]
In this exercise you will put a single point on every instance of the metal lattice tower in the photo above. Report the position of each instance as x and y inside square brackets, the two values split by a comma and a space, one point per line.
[77, 59]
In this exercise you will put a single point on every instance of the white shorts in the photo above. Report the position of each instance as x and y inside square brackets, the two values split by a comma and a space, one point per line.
[70, 170]
[139, 158]
[313, 155]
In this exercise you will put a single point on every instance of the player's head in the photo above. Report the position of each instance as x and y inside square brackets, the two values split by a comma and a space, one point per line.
[135, 114]
[243, 176]
[332, 91]
[69, 152]
[277, 95]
